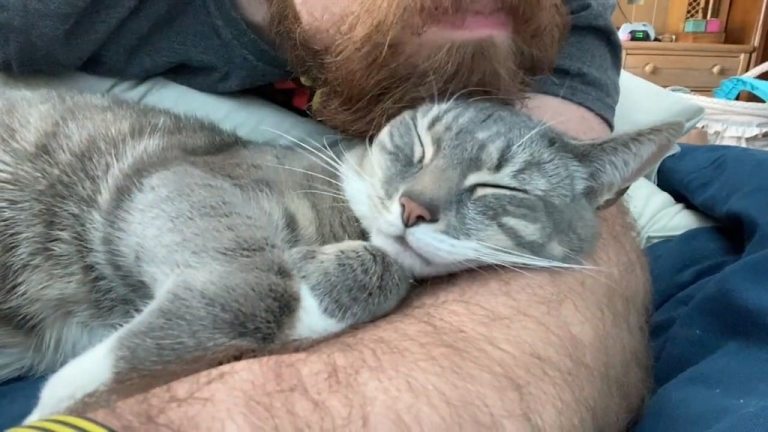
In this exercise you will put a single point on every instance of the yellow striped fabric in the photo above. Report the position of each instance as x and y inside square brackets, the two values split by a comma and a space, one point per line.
[61, 423]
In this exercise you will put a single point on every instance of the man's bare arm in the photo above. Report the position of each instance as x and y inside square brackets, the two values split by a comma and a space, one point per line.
[546, 350]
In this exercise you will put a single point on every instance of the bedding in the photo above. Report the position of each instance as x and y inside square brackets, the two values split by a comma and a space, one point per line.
[710, 323]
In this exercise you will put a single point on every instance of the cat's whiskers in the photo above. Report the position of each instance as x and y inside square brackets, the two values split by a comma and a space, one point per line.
[326, 162]
[525, 259]
[315, 159]
[343, 173]
[372, 190]
[434, 90]
[337, 205]
[325, 151]
[302, 171]
[336, 161]
[329, 163]
[461, 92]
[542, 126]
[499, 265]
[349, 161]
[501, 255]
[335, 165]
[517, 260]
[336, 171]
[319, 192]
[314, 187]
[476, 267]
[346, 160]
[330, 152]
[453, 251]
[369, 151]
[508, 100]
[322, 187]
[588, 270]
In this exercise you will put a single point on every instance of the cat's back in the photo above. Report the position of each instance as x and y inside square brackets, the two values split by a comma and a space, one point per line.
[47, 136]
[81, 145]
[66, 159]
[31, 120]
[45, 127]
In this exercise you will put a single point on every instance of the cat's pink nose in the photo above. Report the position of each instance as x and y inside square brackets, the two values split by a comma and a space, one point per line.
[415, 213]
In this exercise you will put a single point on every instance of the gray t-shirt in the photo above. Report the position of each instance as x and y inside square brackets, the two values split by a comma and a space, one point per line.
[205, 44]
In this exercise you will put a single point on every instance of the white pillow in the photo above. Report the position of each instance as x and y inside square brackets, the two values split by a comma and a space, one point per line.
[644, 104]
[248, 116]
[641, 103]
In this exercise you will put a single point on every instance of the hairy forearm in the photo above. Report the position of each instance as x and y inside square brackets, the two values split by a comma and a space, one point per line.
[542, 351]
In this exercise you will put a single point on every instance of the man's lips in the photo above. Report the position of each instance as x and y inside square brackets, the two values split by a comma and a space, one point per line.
[474, 22]
[468, 27]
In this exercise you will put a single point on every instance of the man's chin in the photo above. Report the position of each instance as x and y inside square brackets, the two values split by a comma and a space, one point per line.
[359, 100]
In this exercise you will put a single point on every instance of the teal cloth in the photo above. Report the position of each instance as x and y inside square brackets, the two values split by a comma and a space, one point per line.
[731, 88]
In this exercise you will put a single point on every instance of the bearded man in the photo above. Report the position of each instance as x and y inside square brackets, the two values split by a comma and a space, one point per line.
[496, 350]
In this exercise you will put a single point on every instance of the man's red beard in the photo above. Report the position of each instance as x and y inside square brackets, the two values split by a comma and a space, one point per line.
[378, 67]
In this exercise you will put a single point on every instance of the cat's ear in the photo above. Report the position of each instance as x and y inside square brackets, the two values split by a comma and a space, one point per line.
[616, 162]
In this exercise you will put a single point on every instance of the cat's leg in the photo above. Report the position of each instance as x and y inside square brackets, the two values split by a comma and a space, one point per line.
[79, 377]
[194, 321]
[203, 318]
[90, 371]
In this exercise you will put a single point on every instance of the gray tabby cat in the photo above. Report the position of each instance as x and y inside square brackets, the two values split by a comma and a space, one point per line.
[135, 242]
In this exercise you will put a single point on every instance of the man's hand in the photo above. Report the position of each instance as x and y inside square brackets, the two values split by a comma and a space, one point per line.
[545, 350]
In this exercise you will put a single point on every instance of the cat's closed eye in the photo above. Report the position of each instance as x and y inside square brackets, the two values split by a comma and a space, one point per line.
[481, 189]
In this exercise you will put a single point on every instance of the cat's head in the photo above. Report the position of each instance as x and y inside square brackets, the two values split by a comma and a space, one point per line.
[445, 187]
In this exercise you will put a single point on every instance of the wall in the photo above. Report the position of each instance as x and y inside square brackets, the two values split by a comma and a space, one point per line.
[652, 11]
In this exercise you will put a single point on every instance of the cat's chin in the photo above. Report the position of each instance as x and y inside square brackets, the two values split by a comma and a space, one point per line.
[418, 263]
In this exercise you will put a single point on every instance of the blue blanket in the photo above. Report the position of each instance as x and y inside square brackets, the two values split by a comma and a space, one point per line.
[710, 325]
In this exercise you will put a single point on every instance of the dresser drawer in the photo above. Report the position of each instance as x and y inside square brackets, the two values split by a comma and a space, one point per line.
[699, 72]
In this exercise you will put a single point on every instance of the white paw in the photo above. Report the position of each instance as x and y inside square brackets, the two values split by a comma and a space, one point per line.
[311, 321]
[81, 376]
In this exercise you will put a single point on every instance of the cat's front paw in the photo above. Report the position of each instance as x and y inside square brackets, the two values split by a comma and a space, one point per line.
[351, 282]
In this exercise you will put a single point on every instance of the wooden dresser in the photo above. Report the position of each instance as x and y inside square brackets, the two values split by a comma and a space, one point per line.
[697, 66]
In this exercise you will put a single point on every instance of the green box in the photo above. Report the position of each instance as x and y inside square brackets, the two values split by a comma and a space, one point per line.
[694, 25]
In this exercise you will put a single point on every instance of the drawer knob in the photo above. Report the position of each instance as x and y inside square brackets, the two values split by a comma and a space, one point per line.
[717, 70]
[649, 68]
